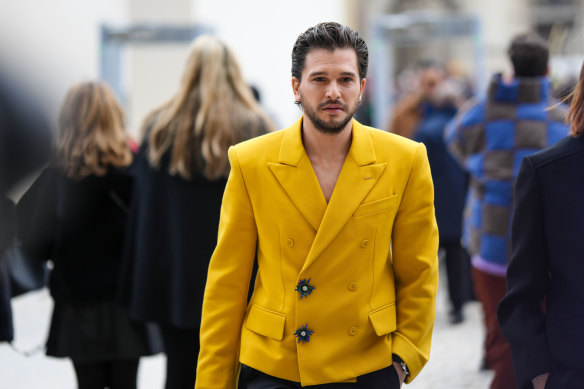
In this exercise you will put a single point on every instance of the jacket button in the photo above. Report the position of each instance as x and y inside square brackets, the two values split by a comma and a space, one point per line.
[290, 242]
[353, 331]
[352, 286]
[304, 288]
[364, 243]
[303, 334]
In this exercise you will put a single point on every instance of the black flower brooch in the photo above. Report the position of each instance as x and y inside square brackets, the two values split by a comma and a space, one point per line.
[303, 334]
[304, 288]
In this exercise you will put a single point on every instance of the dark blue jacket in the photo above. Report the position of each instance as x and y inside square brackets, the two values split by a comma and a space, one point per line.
[450, 180]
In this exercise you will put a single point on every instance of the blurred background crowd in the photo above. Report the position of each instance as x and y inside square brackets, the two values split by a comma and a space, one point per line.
[430, 60]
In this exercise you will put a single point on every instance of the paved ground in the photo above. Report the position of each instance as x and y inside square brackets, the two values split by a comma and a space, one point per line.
[456, 353]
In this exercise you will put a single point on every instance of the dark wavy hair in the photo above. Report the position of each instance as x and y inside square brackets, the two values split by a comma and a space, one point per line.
[529, 54]
[329, 35]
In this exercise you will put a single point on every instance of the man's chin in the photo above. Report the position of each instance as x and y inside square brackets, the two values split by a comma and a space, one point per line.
[331, 126]
[329, 129]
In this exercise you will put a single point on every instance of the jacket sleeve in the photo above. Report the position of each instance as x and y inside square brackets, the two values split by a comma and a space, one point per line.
[227, 286]
[520, 312]
[415, 264]
[464, 135]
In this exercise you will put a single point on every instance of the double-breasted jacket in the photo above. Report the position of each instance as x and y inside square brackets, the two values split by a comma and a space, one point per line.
[341, 286]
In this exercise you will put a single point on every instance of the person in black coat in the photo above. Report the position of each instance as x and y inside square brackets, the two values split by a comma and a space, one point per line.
[74, 214]
[25, 145]
[181, 171]
[542, 313]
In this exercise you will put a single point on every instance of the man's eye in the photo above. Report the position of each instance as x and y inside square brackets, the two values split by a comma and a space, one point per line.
[319, 79]
[346, 80]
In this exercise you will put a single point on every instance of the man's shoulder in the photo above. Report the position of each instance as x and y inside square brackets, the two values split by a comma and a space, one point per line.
[471, 113]
[389, 146]
[387, 138]
[262, 148]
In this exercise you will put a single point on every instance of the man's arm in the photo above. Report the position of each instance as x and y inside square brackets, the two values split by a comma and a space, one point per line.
[520, 312]
[406, 115]
[227, 286]
[464, 135]
[415, 264]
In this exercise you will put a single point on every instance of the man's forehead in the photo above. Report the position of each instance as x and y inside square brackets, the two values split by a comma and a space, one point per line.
[320, 58]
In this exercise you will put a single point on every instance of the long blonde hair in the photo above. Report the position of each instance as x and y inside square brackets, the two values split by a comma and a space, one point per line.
[213, 109]
[92, 136]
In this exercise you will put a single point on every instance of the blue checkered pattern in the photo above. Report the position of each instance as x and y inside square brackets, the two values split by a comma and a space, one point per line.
[489, 139]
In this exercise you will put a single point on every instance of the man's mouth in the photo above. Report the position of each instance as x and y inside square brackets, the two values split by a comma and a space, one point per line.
[332, 107]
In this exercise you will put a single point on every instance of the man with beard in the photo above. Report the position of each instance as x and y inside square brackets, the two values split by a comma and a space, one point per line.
[341, 219]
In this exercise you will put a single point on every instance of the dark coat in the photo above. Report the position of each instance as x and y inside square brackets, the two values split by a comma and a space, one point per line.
[172, 234]
[80, 226]
[547, 263]
[25, 140]
[450, 181]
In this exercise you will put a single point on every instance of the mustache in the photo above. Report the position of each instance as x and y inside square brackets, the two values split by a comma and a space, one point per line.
[332, 102]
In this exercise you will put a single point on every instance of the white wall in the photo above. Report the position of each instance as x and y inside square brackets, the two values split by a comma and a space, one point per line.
[262, 33]
[53, 44]
[152, 72]
[501, 21]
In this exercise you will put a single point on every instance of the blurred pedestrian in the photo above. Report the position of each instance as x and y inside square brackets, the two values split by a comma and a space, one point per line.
[182, 168]
[410, 110]
[25, 145]
[450, 185]
[75, 214]
[489, 139]
[542, 314]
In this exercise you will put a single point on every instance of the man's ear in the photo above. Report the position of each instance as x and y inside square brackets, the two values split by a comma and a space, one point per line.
[296, 88]
[363, 82]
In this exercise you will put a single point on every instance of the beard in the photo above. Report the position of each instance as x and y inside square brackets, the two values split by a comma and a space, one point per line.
[331, 127]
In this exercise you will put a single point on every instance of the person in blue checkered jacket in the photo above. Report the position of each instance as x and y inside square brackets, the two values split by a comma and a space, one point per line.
[489, 139]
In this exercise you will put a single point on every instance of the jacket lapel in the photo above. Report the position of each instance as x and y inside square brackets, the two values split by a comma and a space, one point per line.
[296, 176]
[358, 175]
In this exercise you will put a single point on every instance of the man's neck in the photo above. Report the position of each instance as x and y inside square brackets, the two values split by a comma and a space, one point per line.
[326, 147]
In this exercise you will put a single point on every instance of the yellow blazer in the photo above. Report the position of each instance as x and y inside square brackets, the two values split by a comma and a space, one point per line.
[370, 253]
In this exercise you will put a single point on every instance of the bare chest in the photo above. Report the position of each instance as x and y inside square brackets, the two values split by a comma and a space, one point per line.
[327, 176]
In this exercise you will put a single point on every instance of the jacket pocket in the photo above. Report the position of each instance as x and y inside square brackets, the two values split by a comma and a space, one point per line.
[377, 206]
[383, 319]
[265, 322]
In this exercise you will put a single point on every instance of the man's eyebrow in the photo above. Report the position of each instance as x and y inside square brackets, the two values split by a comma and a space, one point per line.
[323, 73]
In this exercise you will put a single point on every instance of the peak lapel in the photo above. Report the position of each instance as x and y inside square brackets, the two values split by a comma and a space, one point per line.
[358, 175]
[296, 176]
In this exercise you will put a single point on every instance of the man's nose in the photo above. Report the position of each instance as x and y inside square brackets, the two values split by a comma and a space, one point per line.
[333, 91]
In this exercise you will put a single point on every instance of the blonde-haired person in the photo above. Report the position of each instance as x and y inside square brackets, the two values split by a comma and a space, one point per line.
[182, 168]
[75, 214]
